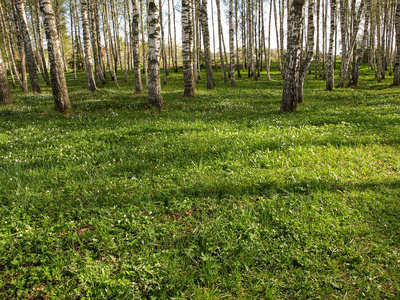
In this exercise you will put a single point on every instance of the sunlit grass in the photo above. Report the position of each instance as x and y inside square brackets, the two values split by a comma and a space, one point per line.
[215, 196]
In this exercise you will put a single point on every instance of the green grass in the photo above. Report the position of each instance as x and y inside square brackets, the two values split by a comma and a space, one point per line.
[219, 196]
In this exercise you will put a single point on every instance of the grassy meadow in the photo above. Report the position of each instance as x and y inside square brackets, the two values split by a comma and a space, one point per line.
[215, 197]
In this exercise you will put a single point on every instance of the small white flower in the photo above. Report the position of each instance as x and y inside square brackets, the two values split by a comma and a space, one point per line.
[119, 221]
[150, 212]
[5, 222]
[145, 217]
[20, 234]
[94, 240]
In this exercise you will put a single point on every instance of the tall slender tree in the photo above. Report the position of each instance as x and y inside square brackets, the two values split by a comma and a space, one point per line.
[330, 69]
[360, 53]
[290, 84]
[175, 42]
[310, 48]
[135, 46]
[343, 30]
[154, 83]
[396, 79]
[317, 52]
[142, 15]
[7, 42]
[206, 40]
[93, 39]
[236, 5]
[34, 80]
[86, 44]
[187, 55]
[5, 92]
[231, 44]
[58, 83]
[220, 33]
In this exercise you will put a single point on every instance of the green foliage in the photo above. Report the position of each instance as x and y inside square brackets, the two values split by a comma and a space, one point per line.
[219, 196]
[79, 58]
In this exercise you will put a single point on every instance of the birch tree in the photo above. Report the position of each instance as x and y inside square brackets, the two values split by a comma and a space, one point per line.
[290, 84]
[330, 69]
[187, 55]
[231, 44]
[5, 92]
[310, 47]
[86, 45]
[30, 60]
[154, 83]
[396, 79]
[221, 55]
[135, 46]
[360, 55]
[206, 40]
[58, 83]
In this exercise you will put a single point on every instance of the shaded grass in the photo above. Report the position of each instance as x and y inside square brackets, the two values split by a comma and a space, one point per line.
[218, 196]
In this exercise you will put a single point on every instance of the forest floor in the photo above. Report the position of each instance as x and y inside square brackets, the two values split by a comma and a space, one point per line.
[219, 196]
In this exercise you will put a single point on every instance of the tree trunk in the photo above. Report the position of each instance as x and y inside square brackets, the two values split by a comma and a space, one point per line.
[34, 80]
[34, 14]
[93, 39]
[250, 15]
[162, 45]
[175, 43]
[206, 40]
[187, 55]
[7, 41]
[57, 15]
[143, 41]
[343, 29]
[231, 44]
[22, 56]
[378, 44]
[6, 45]
[324, 35]
[278, 45]
[170, 48]
[396, 79]
[348, 52]
[198, 40]
[154, 84]
[237, 39]
[330, 69]
[126, 20]
[290, 84]
[107, 37]
[360, 55]
[317, 54]
[269, 44]
[221, 54]
[135, 46]
[194, 44]
[281, 35]
[86, 45]
[213, 29]
[71, 13]
[58, 83]
[5, 92]
[310, 48]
